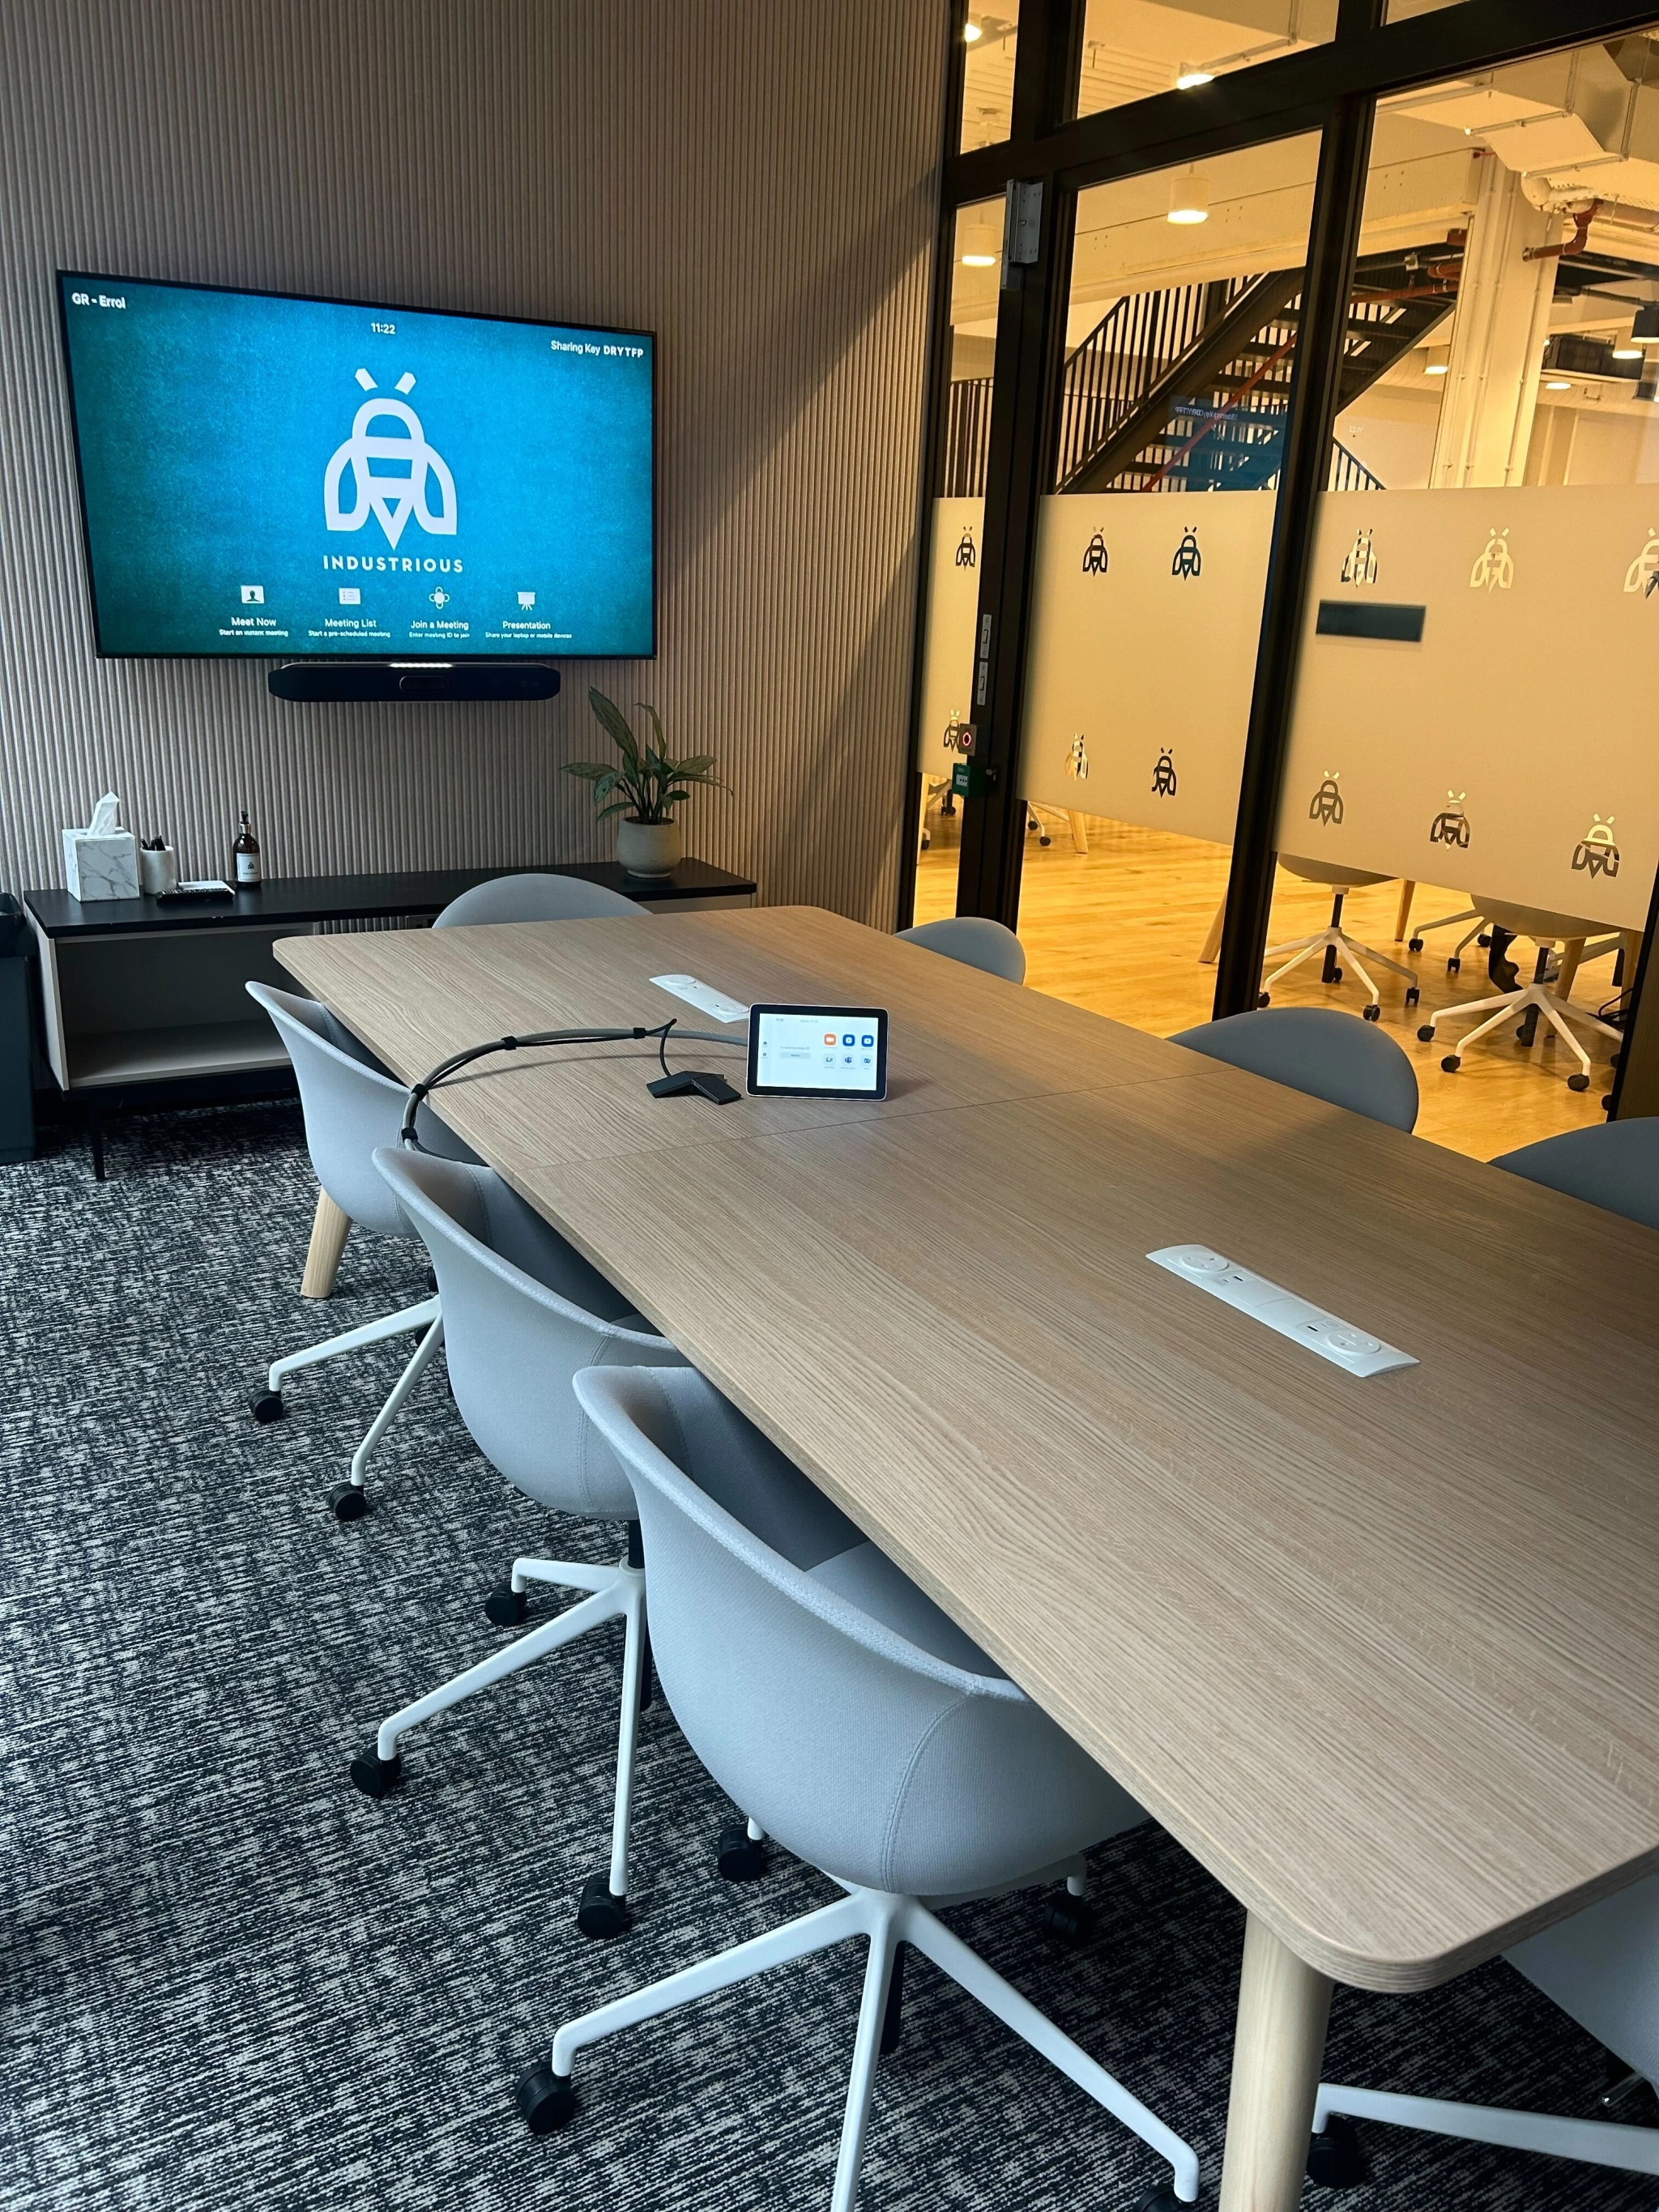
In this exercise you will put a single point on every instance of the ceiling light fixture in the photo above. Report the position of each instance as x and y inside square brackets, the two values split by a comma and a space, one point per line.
[979, 261]
[1189, 198]
[1558, 383]
[1192, 75]
[1627, 353]
[971, 34]
[1436, 368]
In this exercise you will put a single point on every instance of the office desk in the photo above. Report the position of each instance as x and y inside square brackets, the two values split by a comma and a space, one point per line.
[1380, 1652]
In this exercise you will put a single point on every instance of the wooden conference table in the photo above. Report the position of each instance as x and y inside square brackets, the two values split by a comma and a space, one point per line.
[1382, 1653]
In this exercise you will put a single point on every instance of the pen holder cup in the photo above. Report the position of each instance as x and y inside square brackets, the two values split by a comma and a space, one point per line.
[158, 871]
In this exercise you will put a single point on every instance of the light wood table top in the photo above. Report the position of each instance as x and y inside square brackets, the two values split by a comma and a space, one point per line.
[1382, 1653]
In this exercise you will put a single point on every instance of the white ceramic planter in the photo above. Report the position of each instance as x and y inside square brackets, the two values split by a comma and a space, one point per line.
[647, 848]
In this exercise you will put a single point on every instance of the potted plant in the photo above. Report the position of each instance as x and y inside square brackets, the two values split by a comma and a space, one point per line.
[645, 789]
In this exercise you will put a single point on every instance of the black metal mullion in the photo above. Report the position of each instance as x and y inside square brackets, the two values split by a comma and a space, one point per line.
[1025, 422]
[1333, 247]
[936, 422]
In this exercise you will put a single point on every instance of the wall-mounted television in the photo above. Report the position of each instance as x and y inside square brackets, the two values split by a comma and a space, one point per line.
[276, 477]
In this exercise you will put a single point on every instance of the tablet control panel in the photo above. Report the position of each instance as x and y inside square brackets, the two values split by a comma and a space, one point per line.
[1327, 1333]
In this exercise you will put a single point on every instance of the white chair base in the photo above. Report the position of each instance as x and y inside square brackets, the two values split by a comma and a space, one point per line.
[547, 2099]
[1592, 2143]
[1513, 1005]
[618, 1593]
[1348, 951]
[351, 1503]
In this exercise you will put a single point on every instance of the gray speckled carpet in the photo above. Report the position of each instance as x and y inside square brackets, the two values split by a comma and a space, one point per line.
[229, 1981]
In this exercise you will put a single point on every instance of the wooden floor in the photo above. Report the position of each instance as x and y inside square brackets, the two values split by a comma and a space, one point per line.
[1119, 931]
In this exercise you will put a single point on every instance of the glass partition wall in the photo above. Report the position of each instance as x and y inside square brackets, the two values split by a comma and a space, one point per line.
[1181, 335]
[1306, 316]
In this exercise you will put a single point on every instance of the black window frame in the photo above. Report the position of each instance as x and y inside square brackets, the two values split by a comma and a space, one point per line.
[1333, 89]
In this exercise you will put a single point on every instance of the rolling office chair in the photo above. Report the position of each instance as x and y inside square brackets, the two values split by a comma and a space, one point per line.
[1333, 942]
[1536, 998]
[524, 1314]
[1600, 1966]
[976, 941]
[824, 1690]
[351, 1106]
[1329, 1055]
[534, 898]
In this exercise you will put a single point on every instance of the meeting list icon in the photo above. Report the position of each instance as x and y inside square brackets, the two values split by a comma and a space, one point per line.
[351, 595]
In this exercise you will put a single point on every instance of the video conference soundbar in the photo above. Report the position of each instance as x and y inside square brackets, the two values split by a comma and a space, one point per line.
[391, 679]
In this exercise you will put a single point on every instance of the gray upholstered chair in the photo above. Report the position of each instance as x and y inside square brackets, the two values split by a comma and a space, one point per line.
[524, 1314]
[1615, 1165]
[1330, 1055]
[351, 1105]
[975, 940]
[866, 1733]
[534, 898]
[1600, 1966]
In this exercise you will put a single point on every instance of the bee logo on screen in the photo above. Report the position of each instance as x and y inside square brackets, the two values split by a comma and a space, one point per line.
[391, 498]
[1164, 776]
[1451, 825]
[1360, 566]
[1494, 569]
[1077, 759]
[1596, 851]
[1096, 559]
[1188, 561]
[1643, 573]
[1326, 807]
[966, 555]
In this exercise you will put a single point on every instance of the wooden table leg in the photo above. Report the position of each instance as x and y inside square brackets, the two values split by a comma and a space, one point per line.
[1278, 2049]
[1402, 920]
[1078, 825]
[1211, 945]
[329, 1229]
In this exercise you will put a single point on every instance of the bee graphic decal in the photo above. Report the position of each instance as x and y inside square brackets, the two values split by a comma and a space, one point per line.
[1595, 851]
[967, 556]
[1164, 776]
[1095, 558]
[1360, 566]
[1189, 562]
[1494, 569]
[1077, 759]
[1451, 825]
[1326, 804]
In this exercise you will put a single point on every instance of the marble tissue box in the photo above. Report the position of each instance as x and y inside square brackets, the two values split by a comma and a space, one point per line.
[101, 865]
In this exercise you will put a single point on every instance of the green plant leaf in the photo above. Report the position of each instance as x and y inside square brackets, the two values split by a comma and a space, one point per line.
[695, 764]
[615, 724]
[656, 722]
[591, 769]
[617, 806]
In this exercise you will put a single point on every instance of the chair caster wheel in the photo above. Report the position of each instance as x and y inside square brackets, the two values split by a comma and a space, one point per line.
[601, 1916]
[1334, 2158]
[1372, 1013]
[1067, 1920]
[1161, 2199]
[266, 1406]
[1454, 966]
[1578, 1083]
[1425, 1035]
[1335, 976]
[1485, 941]
[1615, 1057]
[376, 1777]
[1451, 1063]
[739, 1857]
[1413, 944]
[1263, 999]
[546, 2104]
[507, 1606]
[349, 1503]
[1413, 995]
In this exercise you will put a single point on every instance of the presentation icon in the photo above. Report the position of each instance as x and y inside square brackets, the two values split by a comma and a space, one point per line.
[253, 595]
[351, 595]
[526, 599]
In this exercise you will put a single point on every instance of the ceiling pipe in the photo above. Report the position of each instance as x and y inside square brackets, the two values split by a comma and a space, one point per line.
[1581, 219]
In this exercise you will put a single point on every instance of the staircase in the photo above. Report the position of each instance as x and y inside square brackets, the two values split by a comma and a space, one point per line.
[1188, 389]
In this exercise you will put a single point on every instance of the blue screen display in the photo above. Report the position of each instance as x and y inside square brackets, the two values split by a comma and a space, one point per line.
[281, 477]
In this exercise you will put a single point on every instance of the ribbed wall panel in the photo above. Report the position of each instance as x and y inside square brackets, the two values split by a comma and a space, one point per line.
[753, 180]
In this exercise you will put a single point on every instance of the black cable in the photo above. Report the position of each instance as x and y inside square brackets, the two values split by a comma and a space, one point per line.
[419, 1093]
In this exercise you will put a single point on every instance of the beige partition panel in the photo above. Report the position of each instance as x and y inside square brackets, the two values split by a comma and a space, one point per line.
[1512, 750]
[947, 680]
[1148, 611]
